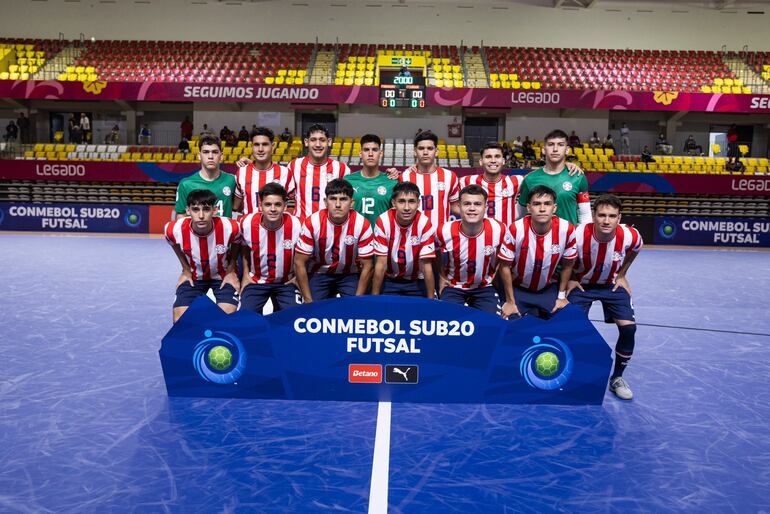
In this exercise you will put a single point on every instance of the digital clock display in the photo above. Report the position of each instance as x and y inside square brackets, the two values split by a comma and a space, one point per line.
[402, 91]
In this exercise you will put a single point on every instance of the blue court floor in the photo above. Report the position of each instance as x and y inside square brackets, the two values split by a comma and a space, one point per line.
[86, 425]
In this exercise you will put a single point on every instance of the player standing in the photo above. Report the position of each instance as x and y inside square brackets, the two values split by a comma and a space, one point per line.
[269, 237]
[605, 250]
[473, 244]
[205, 245]
[372, 188]
[335, 238]
[404, 247]
[571, 189]
[502, 190]
[439, 187]
[208, 177]
[253, 176]
[536, 244]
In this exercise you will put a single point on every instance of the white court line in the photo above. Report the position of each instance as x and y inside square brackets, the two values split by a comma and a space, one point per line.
[378, 491]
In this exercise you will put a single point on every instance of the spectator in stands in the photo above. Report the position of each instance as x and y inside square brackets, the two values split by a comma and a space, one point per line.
[184, 146]
[595, 141]
[23, 124]
[232, 139]
[691, 147]
[735, 166]
[11, 132]
[206, 129]
[608, 143]
[574, 140]
[404, 72]
[71, 122]
[113, 137]
[625, 140]
[647, 154]
[76, 134]
[528, 151]
[732, 144]
[243, 135]
[662, 146]
[186, 128]
[518, 146]
[224, 133]
[507, 154]
[85, 126]
[145, 135]
[285, 135]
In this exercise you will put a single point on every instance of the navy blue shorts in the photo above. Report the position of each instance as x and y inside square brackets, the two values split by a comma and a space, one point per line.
[484, 299]
[536, 303]
[617, 305]
[187, 294]
[255, 296]
[324, 286]
[402, 287]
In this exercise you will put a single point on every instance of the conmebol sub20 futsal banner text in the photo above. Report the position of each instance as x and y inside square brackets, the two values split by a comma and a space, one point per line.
[385, 348]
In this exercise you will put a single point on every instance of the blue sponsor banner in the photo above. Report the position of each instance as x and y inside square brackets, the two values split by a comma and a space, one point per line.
[74, 217]
[684, 230]
[385, 348]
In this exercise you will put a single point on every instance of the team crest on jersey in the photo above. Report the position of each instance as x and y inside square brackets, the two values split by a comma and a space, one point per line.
[489, 250]
[414, 240]
[350, 240]
[441, 186]
[507, 193]
[617, 256]
[555, 249]
[381, 190]
[226, 191]
[330, 176]
[220, 249]
[288, 243]
[567, 186]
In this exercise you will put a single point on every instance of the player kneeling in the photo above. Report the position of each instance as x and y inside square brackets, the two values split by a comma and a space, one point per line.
[205, 245]
[473, 244]
[269, 237]
[606, 248]
[536, 245]
[335, 238]
[404, 247]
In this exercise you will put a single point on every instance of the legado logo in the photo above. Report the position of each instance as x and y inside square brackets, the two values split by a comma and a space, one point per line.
[402, 374]
[365, 373]
[60, 170]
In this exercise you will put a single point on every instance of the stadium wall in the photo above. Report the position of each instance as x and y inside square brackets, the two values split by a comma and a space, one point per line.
[669, 25]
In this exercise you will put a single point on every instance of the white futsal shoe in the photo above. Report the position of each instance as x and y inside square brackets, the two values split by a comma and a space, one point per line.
[621, 389]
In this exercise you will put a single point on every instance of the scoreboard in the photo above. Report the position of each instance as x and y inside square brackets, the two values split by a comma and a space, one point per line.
[402, 91]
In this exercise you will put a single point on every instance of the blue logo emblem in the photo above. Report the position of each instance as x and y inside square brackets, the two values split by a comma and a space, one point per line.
[667, 230]
[132, 218]
[220, 358]
[546, 365]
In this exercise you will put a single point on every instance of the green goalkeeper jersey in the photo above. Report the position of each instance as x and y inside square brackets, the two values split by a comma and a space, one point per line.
[566, 188]
[371, 195]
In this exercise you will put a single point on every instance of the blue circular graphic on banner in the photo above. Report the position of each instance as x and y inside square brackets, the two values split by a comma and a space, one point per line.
[220, 358]
[667, 229]
[132, 218]
[546, 365]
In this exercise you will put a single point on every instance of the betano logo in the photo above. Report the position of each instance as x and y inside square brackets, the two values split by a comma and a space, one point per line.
[365, 373]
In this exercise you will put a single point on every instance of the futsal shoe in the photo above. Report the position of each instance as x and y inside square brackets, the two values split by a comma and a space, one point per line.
[621, 389]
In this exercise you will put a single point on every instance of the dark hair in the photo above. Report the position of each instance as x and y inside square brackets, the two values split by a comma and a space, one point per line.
[473, 189]
[316, 127]
[208, 138]
[273, 189]
[541, 191]
[371, 138]
[425, 135]
[491, 146]
[262, 131]
[201, 197]
[339, 186]
[556, 134]
[405, 188]
[611, 200]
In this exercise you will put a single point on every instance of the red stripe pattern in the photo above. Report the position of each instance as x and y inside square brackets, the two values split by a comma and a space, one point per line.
[310, 181]
[249, 182]
[534, 257]
[599, 262]
[272, 251]
[503, 194]
[404, 246]
[207, 255]
[335, 248]
[472, 260]
[437, 189]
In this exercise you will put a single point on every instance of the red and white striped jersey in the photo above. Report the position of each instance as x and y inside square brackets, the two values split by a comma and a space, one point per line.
[534, 257]
[249, 182]
[437, 189]
[310, 181]
[472, 260]
[404, 246]
[207, 255]
[503, 194]
[335, 248]
[272, 251]
[598, 262]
